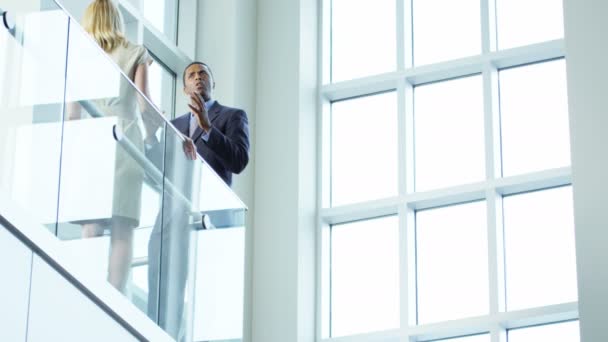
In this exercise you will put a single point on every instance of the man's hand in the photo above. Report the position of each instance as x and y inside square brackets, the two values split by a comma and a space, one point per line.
[197, 105]
[189, 149]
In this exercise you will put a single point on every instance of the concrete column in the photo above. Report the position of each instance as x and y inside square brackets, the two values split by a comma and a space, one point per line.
[587, 67]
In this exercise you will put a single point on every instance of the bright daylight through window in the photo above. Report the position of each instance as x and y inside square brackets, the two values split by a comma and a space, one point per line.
[445, 163]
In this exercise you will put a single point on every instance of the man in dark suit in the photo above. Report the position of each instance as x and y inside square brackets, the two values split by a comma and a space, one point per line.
[220, 135]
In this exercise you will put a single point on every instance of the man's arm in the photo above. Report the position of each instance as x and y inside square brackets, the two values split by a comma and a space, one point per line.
[232, 148]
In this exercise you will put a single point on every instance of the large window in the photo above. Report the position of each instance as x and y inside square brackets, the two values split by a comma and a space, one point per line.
[446, 201]
[161, 14]
[162, 87]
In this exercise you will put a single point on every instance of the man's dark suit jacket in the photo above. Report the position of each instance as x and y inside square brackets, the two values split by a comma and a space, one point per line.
[227, 149]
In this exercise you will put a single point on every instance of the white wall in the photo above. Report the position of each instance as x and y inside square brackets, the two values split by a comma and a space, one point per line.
[226, 39]
[14, 295]
[38, 304]
[263, 56]
[78, 320]
[587, 67]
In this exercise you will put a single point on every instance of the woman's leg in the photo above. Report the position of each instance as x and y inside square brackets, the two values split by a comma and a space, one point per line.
[121, 252]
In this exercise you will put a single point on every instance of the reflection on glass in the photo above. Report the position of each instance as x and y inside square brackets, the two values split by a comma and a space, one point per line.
[32, 79]
[449, 133]
[475, 338]
[364, 149]
[518, 22]
[534, 118]
[539, 248]
[365, 276]
[169, 248]
[452, 257]
[363, 38]
[559, 332]
[445, 30]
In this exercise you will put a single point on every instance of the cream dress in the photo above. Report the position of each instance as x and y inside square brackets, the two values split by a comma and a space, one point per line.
[128, 174]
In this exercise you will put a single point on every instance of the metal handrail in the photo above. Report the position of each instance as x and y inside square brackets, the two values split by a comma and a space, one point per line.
[149, 167]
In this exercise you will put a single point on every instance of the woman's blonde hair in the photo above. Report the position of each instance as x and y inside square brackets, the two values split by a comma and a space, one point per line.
[104, 22]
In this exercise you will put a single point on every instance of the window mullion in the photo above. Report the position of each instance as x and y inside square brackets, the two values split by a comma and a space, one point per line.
[488, 26]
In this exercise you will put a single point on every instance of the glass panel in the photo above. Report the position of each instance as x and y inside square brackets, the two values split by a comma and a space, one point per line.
[364, 149]
[445, 30]
[365, 276]
[539, 247]
[560, 332]
[220, 272]
[363, 38]
[194, 198]
[452, 257]
[32, 80]
[518, 22]
[534, 118]
[109, 189]
[449, 133]
[168, 253]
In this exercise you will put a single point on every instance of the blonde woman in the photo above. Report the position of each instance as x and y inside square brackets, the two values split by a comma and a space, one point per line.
[103, 21]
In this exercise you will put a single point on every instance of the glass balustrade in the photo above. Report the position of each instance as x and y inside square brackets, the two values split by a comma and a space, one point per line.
[95, 162]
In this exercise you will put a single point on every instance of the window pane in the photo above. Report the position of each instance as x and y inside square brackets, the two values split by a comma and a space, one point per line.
[445, 29]
[365, 276]
[363, 38]
[452, 259]
[162, 15]
[449, 133]
[519, 22]
[160, 83]
[364, 149]
[534, 118]
[475, 338]
[539, 248]
[561, 332]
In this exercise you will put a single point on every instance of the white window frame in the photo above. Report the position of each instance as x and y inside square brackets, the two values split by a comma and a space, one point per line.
[491, 190]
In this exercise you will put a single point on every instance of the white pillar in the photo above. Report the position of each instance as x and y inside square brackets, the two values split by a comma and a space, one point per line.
[587, 66]
[285, 172]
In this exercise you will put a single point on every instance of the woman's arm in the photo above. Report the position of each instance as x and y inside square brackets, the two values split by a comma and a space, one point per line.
[151, 122]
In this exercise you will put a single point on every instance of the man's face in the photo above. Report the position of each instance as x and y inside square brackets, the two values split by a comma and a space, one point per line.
[199, 80]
